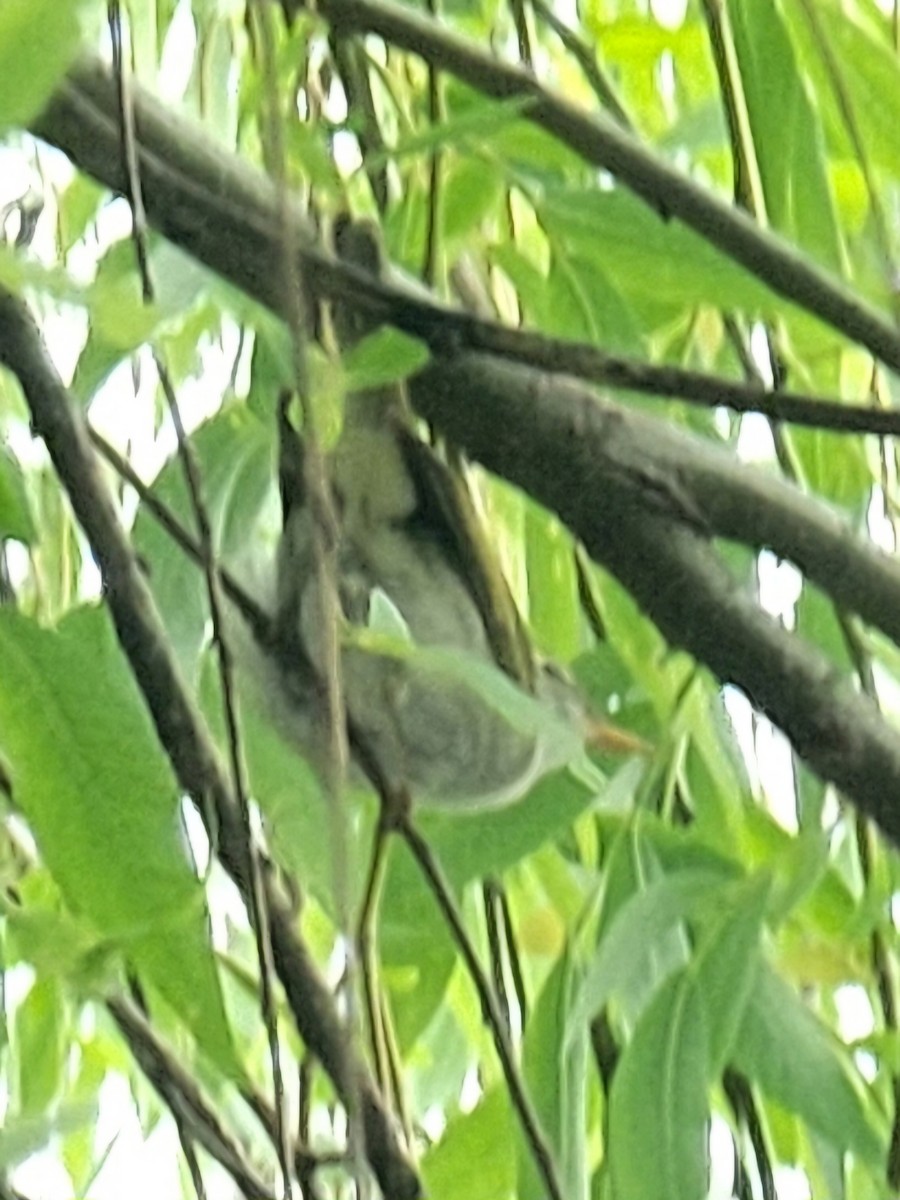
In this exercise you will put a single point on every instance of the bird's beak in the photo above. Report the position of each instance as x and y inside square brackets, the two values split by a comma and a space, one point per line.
[606, 738]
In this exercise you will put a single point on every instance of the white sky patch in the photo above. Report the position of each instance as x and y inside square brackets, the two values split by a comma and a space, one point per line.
[149, 1163]
[754, 443]
[177, 59]
[721, 1160]
[669, 13]
[855, 1019]
[773, 761]
[791, 1183]
[780, 584]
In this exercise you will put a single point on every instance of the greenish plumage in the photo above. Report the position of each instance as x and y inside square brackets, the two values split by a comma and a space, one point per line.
[437, 666]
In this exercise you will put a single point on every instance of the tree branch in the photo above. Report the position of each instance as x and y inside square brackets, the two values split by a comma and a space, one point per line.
[180, 1092]
[639, 519]
[643, 497]
[226, 215]
[602, 142]
[183, 733]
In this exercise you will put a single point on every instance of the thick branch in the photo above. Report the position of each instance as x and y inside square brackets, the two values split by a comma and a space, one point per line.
[642, 496]
[226, 215]
[636, 513]
[725, 497]
[182, 731]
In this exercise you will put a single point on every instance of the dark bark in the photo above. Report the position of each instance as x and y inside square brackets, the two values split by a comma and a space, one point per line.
[646, 499]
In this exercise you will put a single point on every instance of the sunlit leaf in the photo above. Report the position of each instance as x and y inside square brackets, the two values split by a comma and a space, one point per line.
[474, 1157]
[38, 41]
[39, 1040]
[16, 520]
[386, 356]
[88, 773]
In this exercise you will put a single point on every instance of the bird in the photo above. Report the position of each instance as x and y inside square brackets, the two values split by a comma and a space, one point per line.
[445, 698]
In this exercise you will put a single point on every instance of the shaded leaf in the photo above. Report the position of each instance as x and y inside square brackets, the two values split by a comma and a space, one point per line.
[658, 1108]
[725, 963]
[797, 1061]
[787, 134]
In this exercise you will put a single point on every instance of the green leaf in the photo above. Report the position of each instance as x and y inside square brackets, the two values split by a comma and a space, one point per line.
[55, 943]
[555, 1063]
[554, 611]
[417, 953]
[235, 452]
[478, 117]
[20, 1137]
[386, 356]
[121, 320]
[638, 949]
[15, 514]
[38, 41]
[870, 77]
[41, 1044]
[58, 557]
[474, 1159]
[658, 1107]
[581, 301]
[725, 963]
[653, 262]
[787, 135]
[310, 154]
[291, 798]
[798, 1062]
[79, 205]
[475, 844]
[472, 188]
[100, 798]
[836, 467]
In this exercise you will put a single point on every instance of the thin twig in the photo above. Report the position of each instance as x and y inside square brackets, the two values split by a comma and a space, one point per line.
[257, 907]
[189, 1151]
[534, 1134]
[585, 55]
[306, 1162]
[222, 205]
[182, 732]
[324, 523]
[352, 65]
[256, 617]
[748, 187]
[515, 962]
[365, 939]
[740, 1097]
[600, 141]
[435, 159]
[181, 1094]
[490, 895]
[395, 1066]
